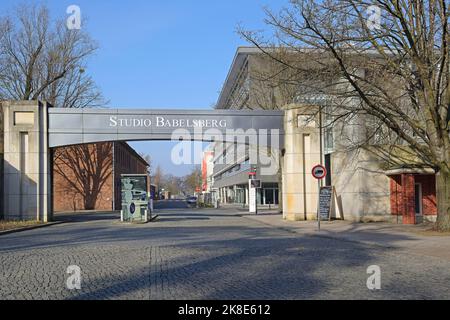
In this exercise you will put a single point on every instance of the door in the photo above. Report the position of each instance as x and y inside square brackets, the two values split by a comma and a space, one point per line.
[269, 197]
[418, 198]
[328, 167]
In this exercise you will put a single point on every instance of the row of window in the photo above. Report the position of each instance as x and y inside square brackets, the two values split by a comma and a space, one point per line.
[239, 168]
[239, 96]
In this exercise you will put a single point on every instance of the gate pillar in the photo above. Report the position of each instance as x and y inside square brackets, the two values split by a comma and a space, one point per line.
[302, 152]
[26, 161]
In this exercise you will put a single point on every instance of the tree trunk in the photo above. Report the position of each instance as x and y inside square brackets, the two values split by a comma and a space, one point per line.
[89, 202]
[443, 200]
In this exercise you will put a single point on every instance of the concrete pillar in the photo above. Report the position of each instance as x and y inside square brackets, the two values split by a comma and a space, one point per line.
[27, 161]
[1, 160]
[246, 195]
[222, 195]
[302, 152]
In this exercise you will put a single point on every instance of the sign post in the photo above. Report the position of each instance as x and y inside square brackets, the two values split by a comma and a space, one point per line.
[325, 202]
[253, 185]
[319, 172]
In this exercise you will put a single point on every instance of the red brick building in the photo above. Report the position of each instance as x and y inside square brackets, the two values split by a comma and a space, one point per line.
[87, 177]
[413, 195]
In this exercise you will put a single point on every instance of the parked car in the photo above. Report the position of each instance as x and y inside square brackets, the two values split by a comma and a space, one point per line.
[191, 200]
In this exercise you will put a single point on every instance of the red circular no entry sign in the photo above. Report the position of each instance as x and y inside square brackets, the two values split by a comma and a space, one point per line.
[319, 172]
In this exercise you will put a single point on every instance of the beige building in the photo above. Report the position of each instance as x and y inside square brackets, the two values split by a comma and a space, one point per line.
[365, 189]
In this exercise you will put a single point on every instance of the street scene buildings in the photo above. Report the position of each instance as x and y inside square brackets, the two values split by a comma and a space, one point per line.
[306, 156]
[366, 188]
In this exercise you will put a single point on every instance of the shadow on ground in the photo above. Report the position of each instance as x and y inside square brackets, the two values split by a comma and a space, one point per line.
[214, 255]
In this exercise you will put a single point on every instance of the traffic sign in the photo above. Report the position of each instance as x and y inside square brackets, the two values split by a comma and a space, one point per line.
[319, 172]
[255, 184]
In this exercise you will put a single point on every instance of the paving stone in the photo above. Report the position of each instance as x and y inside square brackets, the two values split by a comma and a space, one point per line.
[207, 254]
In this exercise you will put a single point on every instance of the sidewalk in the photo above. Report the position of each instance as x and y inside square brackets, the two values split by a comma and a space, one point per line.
[417, 239]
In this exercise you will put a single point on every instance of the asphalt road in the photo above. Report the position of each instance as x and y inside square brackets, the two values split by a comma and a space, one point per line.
[205, 254]
[171, 204]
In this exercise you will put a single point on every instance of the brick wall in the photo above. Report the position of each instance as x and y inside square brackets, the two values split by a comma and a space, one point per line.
[67, 198]
[428, 193]
[409, 215]
[403, 195]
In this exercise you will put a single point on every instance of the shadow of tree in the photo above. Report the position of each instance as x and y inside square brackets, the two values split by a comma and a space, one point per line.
[223, 259]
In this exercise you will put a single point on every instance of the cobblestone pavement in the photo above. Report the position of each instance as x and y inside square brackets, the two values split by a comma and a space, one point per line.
[206, 254]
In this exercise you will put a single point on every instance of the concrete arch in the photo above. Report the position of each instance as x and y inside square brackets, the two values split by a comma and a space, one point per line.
[32, 128]
[78, 126]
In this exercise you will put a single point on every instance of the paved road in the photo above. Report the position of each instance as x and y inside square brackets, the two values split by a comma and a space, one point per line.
[206, 254]
[171, 204]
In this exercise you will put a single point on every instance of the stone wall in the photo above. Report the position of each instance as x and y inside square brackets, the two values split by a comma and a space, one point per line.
[362, 187]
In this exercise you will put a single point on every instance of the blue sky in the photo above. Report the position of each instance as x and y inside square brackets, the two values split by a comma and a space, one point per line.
[162, 54]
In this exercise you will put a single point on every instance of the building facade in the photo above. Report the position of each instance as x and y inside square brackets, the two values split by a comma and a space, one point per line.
[207, 171]
[231, 178]
[366, 189]
[242, 91]
[101, 167]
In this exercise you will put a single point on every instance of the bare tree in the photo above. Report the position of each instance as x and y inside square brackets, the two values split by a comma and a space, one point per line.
[392, 70]
[157, 177]
[41, 59]
[193, 180]
[172, 183]
[85, 169]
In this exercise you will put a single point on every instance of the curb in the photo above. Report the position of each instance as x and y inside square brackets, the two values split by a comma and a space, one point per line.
[48, 224]
[137, 223]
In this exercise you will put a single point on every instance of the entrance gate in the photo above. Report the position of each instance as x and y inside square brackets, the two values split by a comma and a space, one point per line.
[32, 128]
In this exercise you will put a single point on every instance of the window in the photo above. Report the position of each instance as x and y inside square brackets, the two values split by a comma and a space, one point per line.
[329, 139]
[418, 198]
[328, 130]
[328, 181]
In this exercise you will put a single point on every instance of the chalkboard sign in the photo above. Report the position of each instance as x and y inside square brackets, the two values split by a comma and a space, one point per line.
[325, 198]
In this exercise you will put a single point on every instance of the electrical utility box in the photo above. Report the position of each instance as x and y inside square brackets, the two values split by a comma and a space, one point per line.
[135, 198]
